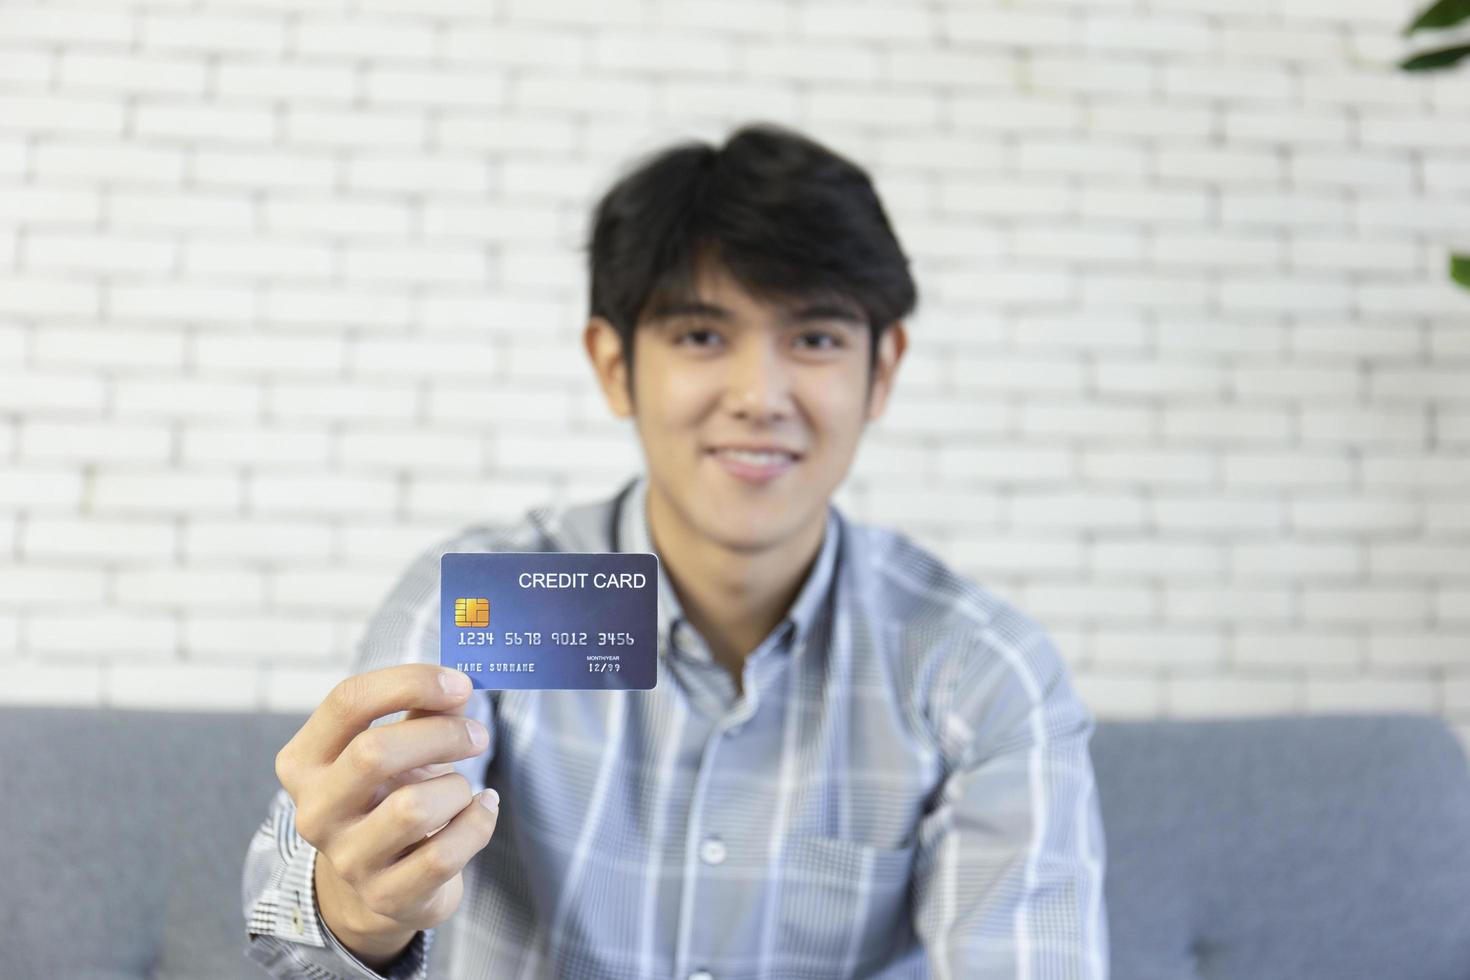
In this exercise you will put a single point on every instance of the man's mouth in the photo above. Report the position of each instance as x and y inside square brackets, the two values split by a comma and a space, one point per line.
[754, 464]
[756, 457]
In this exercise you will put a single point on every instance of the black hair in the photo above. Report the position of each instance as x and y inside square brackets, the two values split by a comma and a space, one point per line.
[785, 216]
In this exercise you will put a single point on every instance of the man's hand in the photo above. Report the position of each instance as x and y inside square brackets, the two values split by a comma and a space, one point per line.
[392, 822]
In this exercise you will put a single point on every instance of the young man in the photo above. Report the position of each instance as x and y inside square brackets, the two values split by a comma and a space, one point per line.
[856, 761]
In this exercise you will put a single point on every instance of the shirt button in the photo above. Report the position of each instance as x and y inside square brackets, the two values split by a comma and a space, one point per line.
[712, 851]
[701, 975]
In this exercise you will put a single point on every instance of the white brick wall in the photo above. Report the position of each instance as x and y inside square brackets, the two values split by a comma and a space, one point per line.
[287, 291]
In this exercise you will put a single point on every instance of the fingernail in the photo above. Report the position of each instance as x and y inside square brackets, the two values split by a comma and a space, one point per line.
[454, 682]
[490, 799]
[479, 734]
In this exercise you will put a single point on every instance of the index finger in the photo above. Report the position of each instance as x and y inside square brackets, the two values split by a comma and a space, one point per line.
[351, 706]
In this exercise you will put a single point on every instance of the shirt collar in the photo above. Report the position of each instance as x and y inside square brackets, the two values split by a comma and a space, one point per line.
[634, 536]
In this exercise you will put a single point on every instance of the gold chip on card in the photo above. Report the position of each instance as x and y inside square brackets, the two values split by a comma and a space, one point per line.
[472, 612]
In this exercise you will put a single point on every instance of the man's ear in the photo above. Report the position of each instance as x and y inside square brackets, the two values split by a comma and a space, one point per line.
[605, 350]
[885, 369]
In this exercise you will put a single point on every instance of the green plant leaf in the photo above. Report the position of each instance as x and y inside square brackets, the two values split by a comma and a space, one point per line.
[1430, 60]
[1445, 13]
[1460, 269]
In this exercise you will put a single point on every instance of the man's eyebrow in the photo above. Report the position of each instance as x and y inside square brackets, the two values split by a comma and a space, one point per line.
[828, 311]
[692, 307]
[807, 313]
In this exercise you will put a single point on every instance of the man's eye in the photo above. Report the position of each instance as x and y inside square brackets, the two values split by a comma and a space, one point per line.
[831, 341]
[697, 333]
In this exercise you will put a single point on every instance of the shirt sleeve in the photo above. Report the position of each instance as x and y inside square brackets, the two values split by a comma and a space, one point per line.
[1009, 871]
[287, 935]
[285, 931]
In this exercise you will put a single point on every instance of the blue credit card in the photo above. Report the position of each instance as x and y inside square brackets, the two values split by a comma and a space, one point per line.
[550, 620]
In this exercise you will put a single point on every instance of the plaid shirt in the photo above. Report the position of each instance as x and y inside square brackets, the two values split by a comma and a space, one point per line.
[903, 789]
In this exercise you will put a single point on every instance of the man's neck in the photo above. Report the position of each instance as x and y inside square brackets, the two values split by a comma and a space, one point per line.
[734, 599]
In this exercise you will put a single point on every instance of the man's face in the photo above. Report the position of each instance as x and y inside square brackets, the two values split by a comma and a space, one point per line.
[728, 370]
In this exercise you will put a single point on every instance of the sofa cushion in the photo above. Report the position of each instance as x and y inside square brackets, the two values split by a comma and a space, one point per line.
[1301, 847]
[123, 835]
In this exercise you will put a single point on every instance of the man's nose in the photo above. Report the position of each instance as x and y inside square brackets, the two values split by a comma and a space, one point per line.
[758, 383]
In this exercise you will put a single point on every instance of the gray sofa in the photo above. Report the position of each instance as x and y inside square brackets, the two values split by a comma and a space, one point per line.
[1323, 847]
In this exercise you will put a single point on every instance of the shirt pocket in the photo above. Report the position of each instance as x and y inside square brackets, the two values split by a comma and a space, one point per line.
[843, 905]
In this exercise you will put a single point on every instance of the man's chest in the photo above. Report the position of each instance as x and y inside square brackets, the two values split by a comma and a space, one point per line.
[793, 831]
[649, 764]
